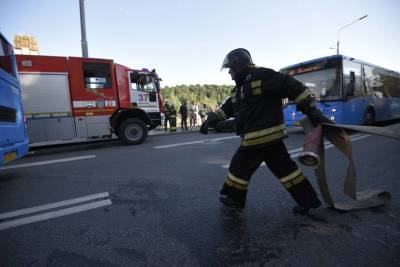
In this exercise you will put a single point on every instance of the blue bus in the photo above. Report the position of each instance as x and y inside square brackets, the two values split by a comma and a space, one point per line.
[13, 136]
[348, 91]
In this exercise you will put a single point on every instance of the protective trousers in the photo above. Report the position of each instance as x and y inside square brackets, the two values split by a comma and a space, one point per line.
[166, 119]
[184, 123]
[246, 161]
[172, 123]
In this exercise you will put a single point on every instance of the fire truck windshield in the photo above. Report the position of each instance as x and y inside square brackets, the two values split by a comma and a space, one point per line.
[143, 82]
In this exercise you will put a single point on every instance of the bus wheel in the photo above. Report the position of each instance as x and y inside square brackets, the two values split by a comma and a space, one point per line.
[369, 117]
[132, 131]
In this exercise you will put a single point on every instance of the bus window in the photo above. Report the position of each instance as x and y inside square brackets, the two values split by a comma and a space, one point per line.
[375, 77]
[368, 78]
[352, 78]
[391, 85]
[6, 57]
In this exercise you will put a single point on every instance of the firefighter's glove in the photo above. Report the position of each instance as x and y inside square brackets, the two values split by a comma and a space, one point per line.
[211, 120]
[317, 117]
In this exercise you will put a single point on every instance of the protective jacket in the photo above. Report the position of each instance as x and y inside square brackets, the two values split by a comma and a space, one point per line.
[167, 108]
[172, 111]
[256, 104]
[183, 110]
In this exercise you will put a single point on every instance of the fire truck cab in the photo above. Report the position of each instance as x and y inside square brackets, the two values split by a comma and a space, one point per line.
[70, 99]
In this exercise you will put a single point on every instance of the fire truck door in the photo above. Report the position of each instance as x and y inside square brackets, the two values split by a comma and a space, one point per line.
[143, 91]
[47, 106]
[94, 96]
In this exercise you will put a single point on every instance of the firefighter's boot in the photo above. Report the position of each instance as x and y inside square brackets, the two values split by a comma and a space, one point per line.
[303, 210]
[305, 196]
[233, 197]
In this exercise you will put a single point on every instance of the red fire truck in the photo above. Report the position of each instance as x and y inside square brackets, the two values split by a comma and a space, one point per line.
[69, 99]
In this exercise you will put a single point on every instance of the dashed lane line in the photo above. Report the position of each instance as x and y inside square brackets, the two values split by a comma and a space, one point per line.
[195, 142]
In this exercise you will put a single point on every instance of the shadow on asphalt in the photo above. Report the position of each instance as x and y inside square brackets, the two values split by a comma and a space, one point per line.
[59, 149]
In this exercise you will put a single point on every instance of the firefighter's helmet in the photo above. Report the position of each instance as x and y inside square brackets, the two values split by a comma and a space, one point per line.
[237, 59]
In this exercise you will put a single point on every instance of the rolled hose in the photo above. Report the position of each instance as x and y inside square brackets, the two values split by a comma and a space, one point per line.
[313, 156]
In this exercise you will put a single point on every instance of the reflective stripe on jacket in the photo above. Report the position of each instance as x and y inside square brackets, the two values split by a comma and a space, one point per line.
[256, 104]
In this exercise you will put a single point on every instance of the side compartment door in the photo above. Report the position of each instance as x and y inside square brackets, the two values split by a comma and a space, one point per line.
[94, 95]
[47, 106]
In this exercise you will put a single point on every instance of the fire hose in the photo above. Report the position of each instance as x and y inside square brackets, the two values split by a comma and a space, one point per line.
[313, 156]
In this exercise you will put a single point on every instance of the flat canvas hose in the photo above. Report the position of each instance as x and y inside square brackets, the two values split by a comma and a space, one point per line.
[313, 156]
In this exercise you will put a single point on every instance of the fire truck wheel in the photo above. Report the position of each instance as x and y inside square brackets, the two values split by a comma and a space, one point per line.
[132, 131]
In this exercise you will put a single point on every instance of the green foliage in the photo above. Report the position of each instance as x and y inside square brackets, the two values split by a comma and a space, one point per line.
[210, 94]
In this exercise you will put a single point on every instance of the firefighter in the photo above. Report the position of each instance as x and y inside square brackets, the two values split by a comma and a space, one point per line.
[256, 104]
[172, 117]
[166, 116]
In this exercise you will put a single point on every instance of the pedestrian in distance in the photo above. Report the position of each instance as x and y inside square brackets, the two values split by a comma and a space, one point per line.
[183, 110]
[256, 104]
[202, 112]
[192, 114]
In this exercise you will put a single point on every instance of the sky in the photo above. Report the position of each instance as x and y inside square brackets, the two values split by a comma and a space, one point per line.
[186, 41]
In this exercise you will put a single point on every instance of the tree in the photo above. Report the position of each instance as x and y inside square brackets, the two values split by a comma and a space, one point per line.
[211, 95]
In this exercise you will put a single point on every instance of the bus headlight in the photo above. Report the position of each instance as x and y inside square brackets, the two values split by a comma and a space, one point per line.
[332, 118]
[333, 110]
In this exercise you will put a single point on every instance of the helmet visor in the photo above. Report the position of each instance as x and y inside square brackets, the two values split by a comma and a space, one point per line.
[225, 64]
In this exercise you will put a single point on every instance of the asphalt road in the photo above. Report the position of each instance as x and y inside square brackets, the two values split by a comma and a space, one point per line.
[156, 204]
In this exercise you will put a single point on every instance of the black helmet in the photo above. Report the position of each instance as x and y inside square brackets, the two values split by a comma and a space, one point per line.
[237, 60]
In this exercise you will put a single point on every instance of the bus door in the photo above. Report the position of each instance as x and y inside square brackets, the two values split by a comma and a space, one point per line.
[94, 95]
[356, 99]
[373, 86]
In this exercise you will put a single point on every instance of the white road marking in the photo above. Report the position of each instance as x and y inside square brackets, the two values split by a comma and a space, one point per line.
[294, 153]
[211, 140]
[196, 142]
[54, 214]
[68, 202]
[360, 137]
[46, 162]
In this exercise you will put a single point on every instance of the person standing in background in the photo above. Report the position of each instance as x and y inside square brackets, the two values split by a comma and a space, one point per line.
[183, 110]
[192, 114]
[202, 112]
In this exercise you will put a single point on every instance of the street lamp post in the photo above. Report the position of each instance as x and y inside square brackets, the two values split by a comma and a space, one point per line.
[338, 32]
[84, 43]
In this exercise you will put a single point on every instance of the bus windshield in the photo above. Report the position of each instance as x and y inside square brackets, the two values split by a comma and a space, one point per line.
[324, 84]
